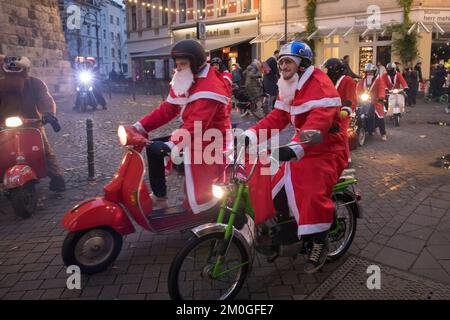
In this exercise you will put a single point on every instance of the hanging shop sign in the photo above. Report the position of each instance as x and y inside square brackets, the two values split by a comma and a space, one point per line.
[436, 16]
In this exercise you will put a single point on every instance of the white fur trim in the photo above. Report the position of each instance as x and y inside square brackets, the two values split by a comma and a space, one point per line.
[190, 187]
[282, 106]
[313, 228]
[322, 103]
[348, 109]
[298, 149]
[305, 77]
[179, 100]
[208, 95]
[278, 187]
[290, 192]
[339, 81]
[140, 128]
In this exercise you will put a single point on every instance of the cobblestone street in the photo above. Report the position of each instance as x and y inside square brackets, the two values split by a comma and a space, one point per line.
[406, 224]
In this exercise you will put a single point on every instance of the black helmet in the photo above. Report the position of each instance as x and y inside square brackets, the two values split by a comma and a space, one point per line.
[335, 68]
[216, 60]
[192, 50]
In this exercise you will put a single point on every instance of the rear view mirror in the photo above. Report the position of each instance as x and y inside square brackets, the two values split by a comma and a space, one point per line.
[311, 137]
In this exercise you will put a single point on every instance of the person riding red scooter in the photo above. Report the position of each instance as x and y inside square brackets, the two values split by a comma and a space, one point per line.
[25, 106]
[96, 226]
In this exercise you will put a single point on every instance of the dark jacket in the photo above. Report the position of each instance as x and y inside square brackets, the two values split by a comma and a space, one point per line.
[348, 71]
[270, 80]
[253, 86]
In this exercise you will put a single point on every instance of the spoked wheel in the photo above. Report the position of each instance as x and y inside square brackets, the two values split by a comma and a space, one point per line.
[259, 107]
[24, 200]
[191, 273]
[92, 250]
[343, 230]
[443, 99]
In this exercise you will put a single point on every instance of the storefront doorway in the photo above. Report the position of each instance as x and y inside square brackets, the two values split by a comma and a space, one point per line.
[375, 48]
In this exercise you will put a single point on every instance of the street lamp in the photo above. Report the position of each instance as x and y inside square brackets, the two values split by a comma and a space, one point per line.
[97, 27]
[285, 22]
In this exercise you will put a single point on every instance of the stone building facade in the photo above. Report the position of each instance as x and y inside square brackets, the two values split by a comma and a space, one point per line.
[33, 28]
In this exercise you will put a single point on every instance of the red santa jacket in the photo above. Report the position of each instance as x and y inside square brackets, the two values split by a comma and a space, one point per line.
[346, 87]
[316, 105]
[205, 103]
[398, 81]
[377, 92]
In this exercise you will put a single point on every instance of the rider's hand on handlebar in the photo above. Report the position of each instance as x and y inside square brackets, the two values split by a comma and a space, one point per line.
[50, 118]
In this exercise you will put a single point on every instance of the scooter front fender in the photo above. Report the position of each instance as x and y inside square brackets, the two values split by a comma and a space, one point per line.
[209, 228]
[18, 176]
[97, 212]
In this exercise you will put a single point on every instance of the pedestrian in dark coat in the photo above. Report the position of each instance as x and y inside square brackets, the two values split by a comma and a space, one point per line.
[253, 86]
[270, 78]
[412, 80]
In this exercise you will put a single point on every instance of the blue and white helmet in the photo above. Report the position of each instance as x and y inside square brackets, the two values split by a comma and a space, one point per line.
[370, 67]
[296, 49]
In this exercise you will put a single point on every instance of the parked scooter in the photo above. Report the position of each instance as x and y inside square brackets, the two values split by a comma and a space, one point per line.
[396, 105]
[96, 226]
[22, 163]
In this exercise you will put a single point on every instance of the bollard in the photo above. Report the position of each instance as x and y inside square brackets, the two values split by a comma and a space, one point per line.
[134, 91]
[110, 89]
[90, 149]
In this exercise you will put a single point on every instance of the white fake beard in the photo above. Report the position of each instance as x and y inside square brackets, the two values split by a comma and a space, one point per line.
[182, 81]
[369, 80]
[288, 88]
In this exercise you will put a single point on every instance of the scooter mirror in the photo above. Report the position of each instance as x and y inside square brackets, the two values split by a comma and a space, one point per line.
[311, 137]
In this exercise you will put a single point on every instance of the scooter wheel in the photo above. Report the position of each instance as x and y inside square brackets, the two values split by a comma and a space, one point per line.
[397, 120]
[92, 250]
[24, 200]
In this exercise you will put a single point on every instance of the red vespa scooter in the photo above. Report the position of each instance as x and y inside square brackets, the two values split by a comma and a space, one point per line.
[22, 163]
[96, 226]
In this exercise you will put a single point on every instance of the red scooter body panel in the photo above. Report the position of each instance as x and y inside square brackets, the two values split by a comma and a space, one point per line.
[26, 142]
[128, 188]
[97, 212]
[19, 175]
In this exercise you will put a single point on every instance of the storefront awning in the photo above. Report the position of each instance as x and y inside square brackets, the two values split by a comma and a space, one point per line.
[157, 53]
[210, 45]
[263, 38]
[214, 44]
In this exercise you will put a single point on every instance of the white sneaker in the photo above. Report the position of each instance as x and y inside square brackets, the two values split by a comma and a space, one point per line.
[384, 137]
[447, 110]
[158, 202]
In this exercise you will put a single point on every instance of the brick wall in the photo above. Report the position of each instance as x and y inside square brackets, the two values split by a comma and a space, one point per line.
[33, 28]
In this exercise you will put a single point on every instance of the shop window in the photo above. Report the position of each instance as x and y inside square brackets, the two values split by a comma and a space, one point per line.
[331, 52]
[201, 11]
[182, 8]
[222, 5]
[133, 18]
[165, 14]
[365, 57]
[247, 5]
[148, 17]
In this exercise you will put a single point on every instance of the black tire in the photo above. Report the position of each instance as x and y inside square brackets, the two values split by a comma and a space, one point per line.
[24, 200]
[259, 107]
[192, 243]
[361, 132]
[70, 256]
[397, 120]
[353, 214]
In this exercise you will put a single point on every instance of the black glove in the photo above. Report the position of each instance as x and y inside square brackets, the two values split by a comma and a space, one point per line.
[347, 103]
[286, 154]
[406, 91]
[50, 118]
[159, 148]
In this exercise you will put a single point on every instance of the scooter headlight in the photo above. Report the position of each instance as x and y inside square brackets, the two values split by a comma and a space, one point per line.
[123, 137]
[90, 89]
[365, 97]
[395, 91]
[219, 191]
[78, 88]
[85, 77]
[13, 122]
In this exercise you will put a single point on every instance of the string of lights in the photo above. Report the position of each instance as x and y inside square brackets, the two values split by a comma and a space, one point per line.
[171, 10]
